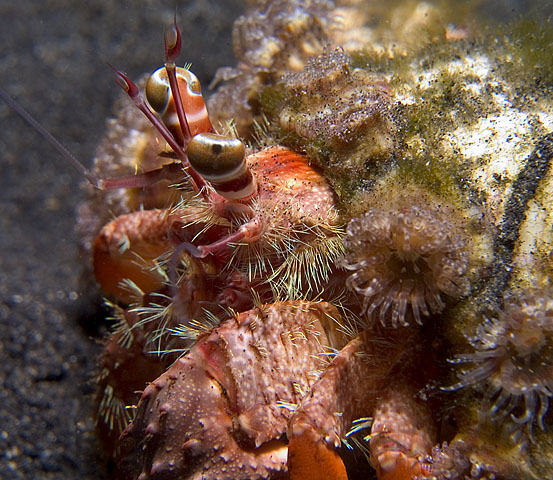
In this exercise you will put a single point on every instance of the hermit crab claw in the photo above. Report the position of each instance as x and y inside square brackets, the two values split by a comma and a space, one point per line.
[311, 458]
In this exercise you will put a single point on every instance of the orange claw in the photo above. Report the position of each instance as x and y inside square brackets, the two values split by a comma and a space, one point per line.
[399, 467]
[145, 236]
[311, 458]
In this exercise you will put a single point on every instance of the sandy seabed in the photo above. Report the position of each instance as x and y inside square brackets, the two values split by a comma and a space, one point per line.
[53, 60]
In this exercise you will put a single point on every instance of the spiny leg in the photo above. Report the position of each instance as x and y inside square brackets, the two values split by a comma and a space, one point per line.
[403, 432]
[316, 428]
[349, 389]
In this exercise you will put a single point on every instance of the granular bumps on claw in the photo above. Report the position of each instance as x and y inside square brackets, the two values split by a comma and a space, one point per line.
[511, 357]
[217, 412]
[404, 262]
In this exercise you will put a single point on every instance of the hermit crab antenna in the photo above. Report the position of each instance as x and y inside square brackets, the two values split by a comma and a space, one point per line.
[132, 91]
[172, 43]
[54, 142]
[172, 51]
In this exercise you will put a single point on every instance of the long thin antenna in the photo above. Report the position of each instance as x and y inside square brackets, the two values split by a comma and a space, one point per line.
[172, 51]
[54, 142]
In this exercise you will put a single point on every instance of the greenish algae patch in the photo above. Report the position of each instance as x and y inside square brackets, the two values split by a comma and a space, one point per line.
[529, 44]
[461, 121]
[439, 89]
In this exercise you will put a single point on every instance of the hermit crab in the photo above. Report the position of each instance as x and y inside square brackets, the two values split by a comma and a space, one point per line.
[249, 390]
[276, 305]
[236, 231]
[271, 202]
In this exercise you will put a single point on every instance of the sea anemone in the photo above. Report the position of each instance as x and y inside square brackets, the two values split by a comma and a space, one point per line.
[512, 356]
[405, 257]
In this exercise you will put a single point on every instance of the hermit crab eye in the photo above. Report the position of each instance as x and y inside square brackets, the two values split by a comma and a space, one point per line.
[221, 160]
[160, 98]
[158, 91]
[216, 157]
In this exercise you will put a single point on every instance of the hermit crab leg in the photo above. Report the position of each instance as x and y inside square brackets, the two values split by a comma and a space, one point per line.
[402, 433]
[315, 429]
[350, 388]
[249, 232]
[171, 172]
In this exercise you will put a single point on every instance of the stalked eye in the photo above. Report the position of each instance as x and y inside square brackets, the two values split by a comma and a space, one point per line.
[220, 159]
[158, 92]
[216, 157]
[160, 98]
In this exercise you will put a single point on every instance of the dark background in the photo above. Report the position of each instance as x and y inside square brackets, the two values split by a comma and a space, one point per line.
[53, 56]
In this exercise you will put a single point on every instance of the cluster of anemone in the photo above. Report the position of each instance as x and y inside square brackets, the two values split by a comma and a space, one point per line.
[277, 37]
[512, 360]
[404, 262]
